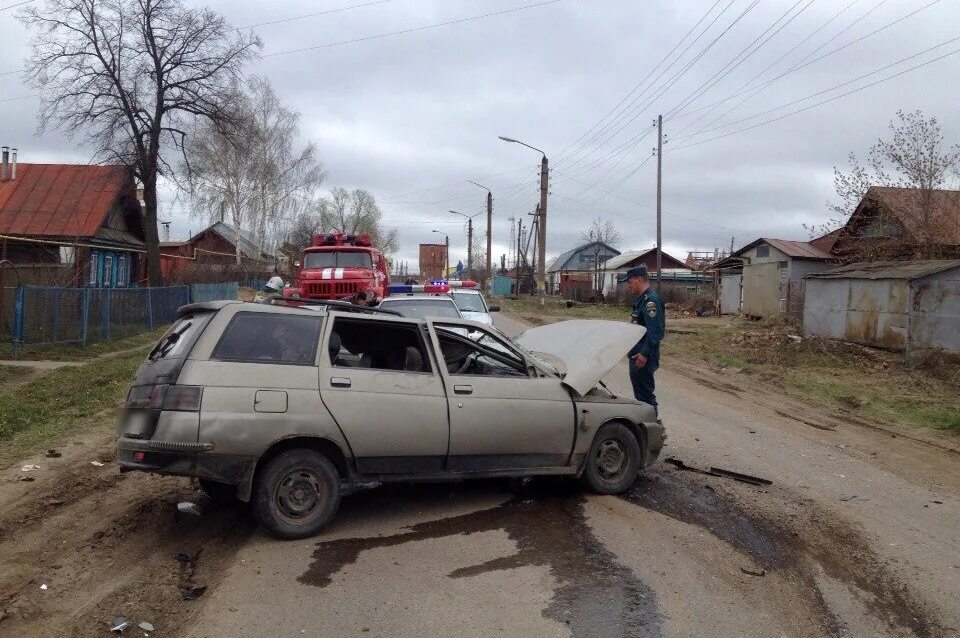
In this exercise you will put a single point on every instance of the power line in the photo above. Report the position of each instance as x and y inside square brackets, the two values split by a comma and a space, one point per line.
[15, 5]
[639, 84]
[413, 30]
[313, 15]
[827, 101]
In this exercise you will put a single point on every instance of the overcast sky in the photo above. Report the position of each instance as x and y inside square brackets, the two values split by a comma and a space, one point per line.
[402, 114]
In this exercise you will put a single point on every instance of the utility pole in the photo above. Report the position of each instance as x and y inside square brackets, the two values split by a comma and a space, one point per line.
[659, 176]
[489, 264]
[517, 264]
[542, 228]
[470, 248]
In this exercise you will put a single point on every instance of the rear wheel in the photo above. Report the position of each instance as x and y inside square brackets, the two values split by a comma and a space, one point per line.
[219, 492]
[613, 460]
[296, 493]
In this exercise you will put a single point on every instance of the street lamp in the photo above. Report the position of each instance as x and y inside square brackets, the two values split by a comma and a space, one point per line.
[489, 267]
[469, 240]
[542, 221]
[446, 256]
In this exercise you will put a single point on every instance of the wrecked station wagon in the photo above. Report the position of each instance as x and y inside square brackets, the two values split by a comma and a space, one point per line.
[279, 406]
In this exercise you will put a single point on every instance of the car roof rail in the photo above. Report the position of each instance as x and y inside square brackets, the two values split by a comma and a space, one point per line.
[330, 303]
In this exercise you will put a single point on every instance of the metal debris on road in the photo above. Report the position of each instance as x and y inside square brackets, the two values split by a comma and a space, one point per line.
[53, 454]
[29, 468]
[119, 624]
[44, 587]
[751, 572]
[145, 626]
[187, 507]
[717, 471]
[97, 463]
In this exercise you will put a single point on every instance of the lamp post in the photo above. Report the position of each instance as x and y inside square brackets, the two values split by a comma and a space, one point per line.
[542, 222]
[489, 266]
[446, 256]
[469, 240]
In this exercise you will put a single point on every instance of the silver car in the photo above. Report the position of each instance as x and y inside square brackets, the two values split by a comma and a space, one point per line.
[472, 305]
[280, 406]
[421, 306]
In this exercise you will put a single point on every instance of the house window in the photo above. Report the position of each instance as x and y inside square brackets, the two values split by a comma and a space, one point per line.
[782, 265]
[122, 271]
[108, 270]
[763, 251]
[94, 269]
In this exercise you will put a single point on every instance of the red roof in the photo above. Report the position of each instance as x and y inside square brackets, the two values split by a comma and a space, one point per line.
[60, 200]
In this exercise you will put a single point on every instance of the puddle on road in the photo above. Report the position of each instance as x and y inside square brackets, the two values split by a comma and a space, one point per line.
[799, 551]
[596, 597]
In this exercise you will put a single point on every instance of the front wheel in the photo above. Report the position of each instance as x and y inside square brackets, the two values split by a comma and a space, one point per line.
[296, 494]
[613, 460]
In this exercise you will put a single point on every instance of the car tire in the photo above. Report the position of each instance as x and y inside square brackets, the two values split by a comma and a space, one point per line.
[614, 460]
[219, 492]
[296, 494]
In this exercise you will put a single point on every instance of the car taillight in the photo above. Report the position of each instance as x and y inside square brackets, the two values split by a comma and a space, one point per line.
[183, 398]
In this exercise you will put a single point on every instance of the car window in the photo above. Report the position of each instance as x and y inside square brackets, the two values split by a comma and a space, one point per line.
[471, 351]
[337, 259]
[469, 302]
[419, 308]
[377, 345]
[260, 337]
[181, 334]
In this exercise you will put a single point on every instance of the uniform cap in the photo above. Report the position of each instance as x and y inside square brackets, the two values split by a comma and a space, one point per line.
[636, 271]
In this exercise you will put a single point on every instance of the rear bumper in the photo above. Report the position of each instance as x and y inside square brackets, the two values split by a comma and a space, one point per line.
[184, 459]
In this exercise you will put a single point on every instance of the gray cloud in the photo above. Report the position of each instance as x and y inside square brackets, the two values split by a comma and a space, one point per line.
[417, 111]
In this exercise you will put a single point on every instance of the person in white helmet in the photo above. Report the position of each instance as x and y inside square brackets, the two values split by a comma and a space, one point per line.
[274, 286]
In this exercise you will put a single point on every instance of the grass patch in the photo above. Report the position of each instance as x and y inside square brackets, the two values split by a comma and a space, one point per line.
[872, 384]
[64, 400]
[10, 373]
[80, 352]
[553, 307]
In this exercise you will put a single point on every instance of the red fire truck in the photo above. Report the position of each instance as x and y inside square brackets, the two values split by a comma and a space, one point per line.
[342, 267]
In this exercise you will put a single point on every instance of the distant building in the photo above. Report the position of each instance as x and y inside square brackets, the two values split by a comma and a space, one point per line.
[211, 254]
[71, 224]
[433, 261]
[578, 264]
[672, 269]
[765, 277]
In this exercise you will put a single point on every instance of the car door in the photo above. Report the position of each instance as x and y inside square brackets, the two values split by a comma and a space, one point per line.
[379, 380]
[505, 420]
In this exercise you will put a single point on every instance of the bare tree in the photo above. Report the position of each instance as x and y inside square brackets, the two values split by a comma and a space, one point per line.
[356, 211]
[603, 231]
[255, 170]
[913, 157]
[128, 76]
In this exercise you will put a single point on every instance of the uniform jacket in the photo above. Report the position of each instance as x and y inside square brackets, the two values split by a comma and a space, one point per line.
[648, 311]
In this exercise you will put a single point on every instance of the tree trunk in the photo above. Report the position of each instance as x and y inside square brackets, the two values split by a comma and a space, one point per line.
[154, 274]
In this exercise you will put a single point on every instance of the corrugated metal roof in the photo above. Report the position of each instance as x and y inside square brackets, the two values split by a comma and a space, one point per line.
[798, 249]
[624, 258]
[560, 262]
[59, 200]
[890, 269]
[248, 245]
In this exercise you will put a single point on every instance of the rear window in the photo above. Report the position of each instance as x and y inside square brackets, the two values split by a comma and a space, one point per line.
[422, 308]
[177, 341]
[258, 337]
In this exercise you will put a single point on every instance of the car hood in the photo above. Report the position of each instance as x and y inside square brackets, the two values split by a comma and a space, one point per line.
[588, 348]
[482, 317]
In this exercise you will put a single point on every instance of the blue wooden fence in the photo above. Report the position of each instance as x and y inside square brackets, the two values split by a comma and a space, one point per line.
[51, 315]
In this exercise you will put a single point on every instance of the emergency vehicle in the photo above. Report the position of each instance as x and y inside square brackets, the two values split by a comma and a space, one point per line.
[342, 267]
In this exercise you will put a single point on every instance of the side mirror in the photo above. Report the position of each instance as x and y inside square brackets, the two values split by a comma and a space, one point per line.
[494, 308]
[296, 264]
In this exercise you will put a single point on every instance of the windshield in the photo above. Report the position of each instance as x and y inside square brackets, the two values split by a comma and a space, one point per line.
[422, 308]
[469, 302]
[337, 259]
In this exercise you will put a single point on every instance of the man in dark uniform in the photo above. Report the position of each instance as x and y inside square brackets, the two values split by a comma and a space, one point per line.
[648, 311]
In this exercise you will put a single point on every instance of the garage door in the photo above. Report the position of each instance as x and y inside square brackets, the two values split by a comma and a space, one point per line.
[761, 290]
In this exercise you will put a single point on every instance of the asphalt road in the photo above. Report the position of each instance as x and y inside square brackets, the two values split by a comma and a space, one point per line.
[856, 536]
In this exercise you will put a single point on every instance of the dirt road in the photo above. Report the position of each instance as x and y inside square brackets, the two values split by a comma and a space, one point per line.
[856, 536]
